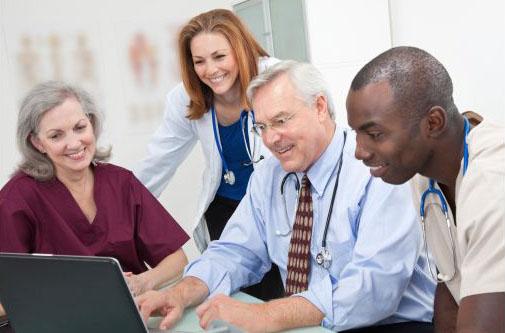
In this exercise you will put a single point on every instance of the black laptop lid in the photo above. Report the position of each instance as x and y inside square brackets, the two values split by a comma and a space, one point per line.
[63, 294]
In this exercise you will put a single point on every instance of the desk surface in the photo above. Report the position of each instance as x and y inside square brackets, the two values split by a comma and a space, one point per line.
[189, 321]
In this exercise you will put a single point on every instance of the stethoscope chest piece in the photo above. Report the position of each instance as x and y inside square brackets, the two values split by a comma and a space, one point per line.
[323, 258]
[229, 177]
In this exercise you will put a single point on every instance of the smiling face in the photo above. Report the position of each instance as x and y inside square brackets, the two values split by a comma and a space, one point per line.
[305, 130]
[386, 141]
[215, 63]
[66, 136]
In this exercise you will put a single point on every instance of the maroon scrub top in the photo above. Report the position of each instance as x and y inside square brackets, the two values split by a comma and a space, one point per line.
[130, 224]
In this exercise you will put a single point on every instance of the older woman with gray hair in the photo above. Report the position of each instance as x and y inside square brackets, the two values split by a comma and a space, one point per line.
[65, 199]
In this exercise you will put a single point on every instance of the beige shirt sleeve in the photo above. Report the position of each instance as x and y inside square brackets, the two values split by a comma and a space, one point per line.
[481, 215]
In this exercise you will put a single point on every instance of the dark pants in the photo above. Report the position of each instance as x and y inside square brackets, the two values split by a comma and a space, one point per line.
[218, 213]
[406, 327]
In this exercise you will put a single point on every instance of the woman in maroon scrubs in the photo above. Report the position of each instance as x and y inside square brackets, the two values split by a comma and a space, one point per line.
[64, 198]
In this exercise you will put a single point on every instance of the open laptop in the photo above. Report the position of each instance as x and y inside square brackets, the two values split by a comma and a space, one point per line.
[63, 294]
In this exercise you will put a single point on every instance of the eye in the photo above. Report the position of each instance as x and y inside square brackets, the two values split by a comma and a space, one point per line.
[80, 128]
[197, 62]
[375, 136]
[259, 127]
[54, 136]
[281, 121]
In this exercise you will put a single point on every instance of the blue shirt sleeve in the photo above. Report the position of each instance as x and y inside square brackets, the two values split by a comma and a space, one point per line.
[240, 257]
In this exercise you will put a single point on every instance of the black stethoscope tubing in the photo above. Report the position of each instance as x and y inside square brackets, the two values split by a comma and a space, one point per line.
[335, 187]
[334, 194]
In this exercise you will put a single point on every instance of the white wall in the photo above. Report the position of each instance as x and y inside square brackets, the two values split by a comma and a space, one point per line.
[343, 36]
[468, 37]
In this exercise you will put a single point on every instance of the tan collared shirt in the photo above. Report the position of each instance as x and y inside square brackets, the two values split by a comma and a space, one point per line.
[479, 237]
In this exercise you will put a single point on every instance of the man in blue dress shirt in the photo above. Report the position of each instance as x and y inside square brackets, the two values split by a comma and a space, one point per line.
[377, 275]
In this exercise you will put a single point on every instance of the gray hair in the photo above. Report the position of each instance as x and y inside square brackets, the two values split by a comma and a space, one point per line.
[306, 79]
[41, 99]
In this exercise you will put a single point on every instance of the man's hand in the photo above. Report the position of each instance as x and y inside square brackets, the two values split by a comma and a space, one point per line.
[249, 317]
[171, 303]
[166, 303]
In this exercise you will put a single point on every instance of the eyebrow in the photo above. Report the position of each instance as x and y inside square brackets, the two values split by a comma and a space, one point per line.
[276, 117]
[59, 129]
[367, 125]
[281, 114]
[213, 53]
[49, 131]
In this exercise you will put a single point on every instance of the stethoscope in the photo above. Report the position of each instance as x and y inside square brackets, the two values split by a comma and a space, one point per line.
[441, 277]
[323, 257]
[229, 175]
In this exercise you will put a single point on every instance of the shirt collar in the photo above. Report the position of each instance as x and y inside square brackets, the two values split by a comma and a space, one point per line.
[321, 171]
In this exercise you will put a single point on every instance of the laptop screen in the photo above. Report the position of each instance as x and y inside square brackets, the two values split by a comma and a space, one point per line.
[53, 294]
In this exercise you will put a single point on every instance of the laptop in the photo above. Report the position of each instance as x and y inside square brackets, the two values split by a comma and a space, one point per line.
[63, 294]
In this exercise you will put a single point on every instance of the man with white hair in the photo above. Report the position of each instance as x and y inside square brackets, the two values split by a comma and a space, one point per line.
[346, 244]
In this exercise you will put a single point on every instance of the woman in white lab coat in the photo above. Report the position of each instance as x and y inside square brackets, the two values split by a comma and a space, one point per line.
[218, 58]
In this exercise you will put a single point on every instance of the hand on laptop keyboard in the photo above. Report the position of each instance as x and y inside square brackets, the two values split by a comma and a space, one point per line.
[138, 284]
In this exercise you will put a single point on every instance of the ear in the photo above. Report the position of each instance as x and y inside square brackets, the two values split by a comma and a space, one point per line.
[321, 105]
[37, 144]
[435, 122]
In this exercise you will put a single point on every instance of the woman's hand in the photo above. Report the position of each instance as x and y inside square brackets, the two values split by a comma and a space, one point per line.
[167, 271]
[138, 284]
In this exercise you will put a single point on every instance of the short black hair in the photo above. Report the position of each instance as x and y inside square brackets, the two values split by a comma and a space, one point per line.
[418, 80]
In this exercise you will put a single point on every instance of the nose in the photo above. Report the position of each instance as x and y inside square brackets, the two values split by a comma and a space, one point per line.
[361, 153]
[73, 141]
[210, 68]
[270, 136]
